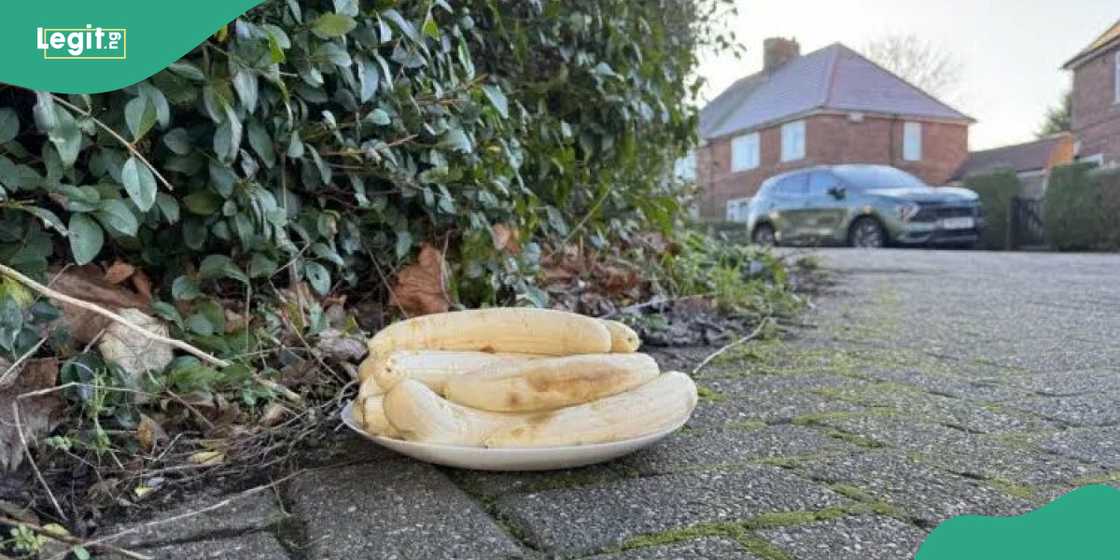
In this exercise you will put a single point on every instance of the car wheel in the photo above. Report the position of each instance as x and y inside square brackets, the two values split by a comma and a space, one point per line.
[868, 233]
[764, 235]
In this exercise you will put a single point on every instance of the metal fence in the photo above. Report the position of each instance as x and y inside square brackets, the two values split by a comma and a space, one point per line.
[1027, 229]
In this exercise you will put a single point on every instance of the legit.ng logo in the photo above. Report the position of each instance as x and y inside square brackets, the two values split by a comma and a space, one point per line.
[88, 43]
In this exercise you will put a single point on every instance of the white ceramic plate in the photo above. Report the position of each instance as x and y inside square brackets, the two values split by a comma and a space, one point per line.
[523, 459]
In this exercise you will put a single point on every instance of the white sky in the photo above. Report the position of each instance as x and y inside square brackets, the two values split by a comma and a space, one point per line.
[1011, 49]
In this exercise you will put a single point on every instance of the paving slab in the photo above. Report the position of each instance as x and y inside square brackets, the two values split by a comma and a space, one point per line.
[400, 510]
[711, 548]
[922, 492]
[486, 484]
[1097, 409]
[770, 409]
[253, 512]
[588, 520]
[255, 546]
[1099, 446]
[1071, 383]
[695, 449]
[964, 386]
[863, 537]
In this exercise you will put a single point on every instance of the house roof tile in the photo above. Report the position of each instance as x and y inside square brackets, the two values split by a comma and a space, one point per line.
[834, 77]
[1037, 155]
[1106, 39]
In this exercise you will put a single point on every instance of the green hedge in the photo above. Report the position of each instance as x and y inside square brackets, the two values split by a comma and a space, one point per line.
[1083, 208]
[996, 192]
[325, 140]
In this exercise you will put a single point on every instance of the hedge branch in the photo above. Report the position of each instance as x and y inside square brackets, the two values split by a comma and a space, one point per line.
[7, 271]
[119, 138]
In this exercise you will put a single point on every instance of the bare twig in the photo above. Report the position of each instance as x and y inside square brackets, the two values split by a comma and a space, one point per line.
[118, 137]
[15, 365]
[758, 330]
[30, 459]
[68, 539]
[113, 316]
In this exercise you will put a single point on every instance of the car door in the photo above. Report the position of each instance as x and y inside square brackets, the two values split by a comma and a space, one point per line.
[824, 210]
[788, 209]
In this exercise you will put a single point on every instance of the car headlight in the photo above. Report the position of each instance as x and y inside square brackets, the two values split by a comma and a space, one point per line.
[908, 211]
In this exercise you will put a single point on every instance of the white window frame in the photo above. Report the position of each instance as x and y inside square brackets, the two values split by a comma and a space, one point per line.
[745, 152]
[912, 141]
[736, 209]
[1116, 78]
[793, 141]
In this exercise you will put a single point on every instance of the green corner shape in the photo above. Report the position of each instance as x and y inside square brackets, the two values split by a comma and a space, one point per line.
[1081, 525]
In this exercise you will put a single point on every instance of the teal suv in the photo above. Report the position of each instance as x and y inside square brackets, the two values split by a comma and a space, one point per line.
[862, 206]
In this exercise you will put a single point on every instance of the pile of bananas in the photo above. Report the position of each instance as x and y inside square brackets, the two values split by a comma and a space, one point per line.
[516, 378]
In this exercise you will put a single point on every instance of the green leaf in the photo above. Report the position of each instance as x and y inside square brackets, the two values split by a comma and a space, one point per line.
[66, 137]
[158, 101]
[368, 77]
[346, 7]
[318, 277]
[168, 206]
[140, 116]
[185, 288]
[187, 70]
[227, 140]
[221, 266]
[261, 143]
[497, 99]
[430, 28]
[80, 553]
[139, 183]
[86, 238]
[9, 125]
[245, 82]
[329, 26]
[49, 218]
[378, 117]
[178, 140]
[404, 243]
[115, 214]
[203, 203]
[200, 325]
[260, 266]
[457, 140]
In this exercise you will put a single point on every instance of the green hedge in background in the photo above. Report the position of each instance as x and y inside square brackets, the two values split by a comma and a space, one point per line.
[319, 140]
[1082, 209]
[996, 190]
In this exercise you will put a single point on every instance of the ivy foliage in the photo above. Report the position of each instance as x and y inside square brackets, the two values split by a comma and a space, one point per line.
[323, 139]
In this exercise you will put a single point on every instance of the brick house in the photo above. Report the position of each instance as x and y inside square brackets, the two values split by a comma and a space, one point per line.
[830, 106]
[1096, 98]
[1031, 161]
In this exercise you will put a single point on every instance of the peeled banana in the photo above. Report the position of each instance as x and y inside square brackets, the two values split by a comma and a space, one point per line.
[435, 367]
[513, 329]
[369, 413]
[419, 414]
[550, 383]
[623, 338]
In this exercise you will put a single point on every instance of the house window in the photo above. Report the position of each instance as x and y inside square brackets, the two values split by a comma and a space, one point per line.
[744, 152]
[737, 209]
[793, 141]
[912, 141]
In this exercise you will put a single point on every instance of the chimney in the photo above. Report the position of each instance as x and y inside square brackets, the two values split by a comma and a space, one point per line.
[778, 51]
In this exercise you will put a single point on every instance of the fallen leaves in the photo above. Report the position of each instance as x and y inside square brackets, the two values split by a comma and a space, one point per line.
[132, 351]
[89, 284]
[38, 415]
[421, 288]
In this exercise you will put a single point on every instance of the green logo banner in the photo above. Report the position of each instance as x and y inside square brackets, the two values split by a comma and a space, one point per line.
[90, 46]
[1082, 525]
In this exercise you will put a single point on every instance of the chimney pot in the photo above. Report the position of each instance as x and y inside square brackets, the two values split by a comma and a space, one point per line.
[777, 51]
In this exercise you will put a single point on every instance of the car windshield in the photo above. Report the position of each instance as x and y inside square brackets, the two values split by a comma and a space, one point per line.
[877, 178]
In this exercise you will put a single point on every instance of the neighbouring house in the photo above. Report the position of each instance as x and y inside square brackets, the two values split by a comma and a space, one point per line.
[830, 106]
[1096, 99]
[1031, 161]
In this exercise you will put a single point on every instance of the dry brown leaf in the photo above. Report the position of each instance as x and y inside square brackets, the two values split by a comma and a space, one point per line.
[420, 287]
[37, 415]
[506, 238]
[342, 347]
[142, 284]
[119, 272]
[274, 414]
[149, 432]
[132, 351]
[207, 458]
[87, 283]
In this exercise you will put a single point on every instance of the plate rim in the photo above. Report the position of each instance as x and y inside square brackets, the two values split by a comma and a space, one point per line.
[346, 415]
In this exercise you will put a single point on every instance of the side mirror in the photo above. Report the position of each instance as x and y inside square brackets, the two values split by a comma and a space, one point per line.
[838, 192]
